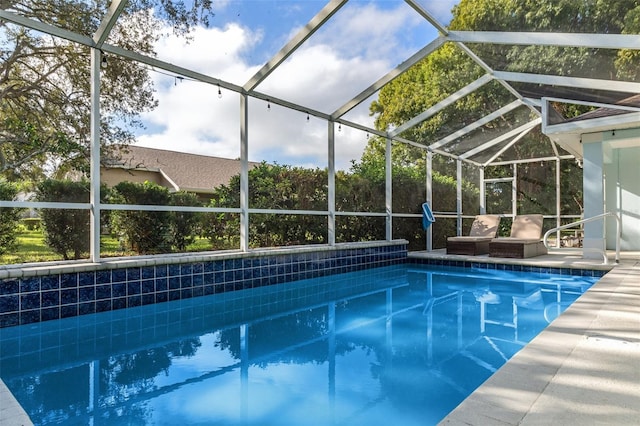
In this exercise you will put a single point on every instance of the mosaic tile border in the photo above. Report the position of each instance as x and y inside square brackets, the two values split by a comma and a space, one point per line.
[32, 299]
[508, 267]
[127, 330]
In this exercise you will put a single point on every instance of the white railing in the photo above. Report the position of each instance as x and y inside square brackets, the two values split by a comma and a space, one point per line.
[602, 216]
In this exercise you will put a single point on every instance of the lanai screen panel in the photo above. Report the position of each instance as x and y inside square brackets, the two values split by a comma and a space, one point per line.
[537, 91]
[280, 135]
[236, 43]
[409, 180]
[561, 110]
[581, 62]
[342, 45]
[191, 116]
[493, 151]
[470, 190]
[57, 13]
[360, 114]
[462, 117]
[533, 145]
[291, 176]
[441, 110]
[491, 131]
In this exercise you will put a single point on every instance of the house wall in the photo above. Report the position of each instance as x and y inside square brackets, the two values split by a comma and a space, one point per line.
[593, 190]
[113, 176]
[622, 196]
[611, 183]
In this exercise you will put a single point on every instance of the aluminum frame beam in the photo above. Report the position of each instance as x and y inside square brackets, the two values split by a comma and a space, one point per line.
[451, 99]
[476, 124]
[388, 190]
[331, 184]
[115, 9]
[244, 173]
[594, 41]
[303, 35]
[577, 82]
[94, 174]
[362, 96]
[46, 28]
[510, 134]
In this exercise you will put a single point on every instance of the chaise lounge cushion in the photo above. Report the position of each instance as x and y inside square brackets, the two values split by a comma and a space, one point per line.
[524, 241]
[483, 229]
[527, 227]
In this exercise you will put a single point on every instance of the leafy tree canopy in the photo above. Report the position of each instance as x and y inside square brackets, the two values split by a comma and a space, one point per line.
[45, 84]
[449, 68]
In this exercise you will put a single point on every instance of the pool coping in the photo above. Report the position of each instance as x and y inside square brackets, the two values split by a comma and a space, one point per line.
[584, 368]
[11, 412]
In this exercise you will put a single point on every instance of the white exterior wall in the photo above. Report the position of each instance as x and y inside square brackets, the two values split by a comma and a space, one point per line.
[593, 188]
[622, 187]
[611, 183]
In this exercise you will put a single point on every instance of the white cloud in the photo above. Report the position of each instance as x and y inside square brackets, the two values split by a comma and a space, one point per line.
[323, 74]
[369, 31]
[317, 76]
[191, 118]
[213, 51]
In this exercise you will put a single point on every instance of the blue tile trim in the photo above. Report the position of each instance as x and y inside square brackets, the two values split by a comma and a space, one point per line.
[34, 299]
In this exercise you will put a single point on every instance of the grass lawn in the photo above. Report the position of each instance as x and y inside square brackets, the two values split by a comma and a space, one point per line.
[31, 248]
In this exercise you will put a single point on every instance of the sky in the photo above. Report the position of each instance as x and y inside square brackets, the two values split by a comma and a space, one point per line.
[361, 43]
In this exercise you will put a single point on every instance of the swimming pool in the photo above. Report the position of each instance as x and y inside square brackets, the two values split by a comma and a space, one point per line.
[402, 344]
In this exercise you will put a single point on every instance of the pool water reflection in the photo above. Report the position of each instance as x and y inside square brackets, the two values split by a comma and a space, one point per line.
[402, 344]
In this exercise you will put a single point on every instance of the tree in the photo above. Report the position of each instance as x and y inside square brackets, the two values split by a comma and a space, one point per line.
[45, 84]
[449, 69]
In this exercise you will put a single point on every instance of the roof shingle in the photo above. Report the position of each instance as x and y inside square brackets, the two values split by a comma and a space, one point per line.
[190, 172]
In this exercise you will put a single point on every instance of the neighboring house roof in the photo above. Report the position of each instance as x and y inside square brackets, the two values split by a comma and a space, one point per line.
[186, 172]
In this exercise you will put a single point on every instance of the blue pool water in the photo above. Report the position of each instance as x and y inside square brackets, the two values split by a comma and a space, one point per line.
[402, 344]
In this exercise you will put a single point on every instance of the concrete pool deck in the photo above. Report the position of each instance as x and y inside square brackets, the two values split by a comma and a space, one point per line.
[11, 412]
[583, 369]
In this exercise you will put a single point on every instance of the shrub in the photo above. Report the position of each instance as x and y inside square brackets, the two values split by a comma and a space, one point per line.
[184, 225]
[145, 232]
[9, 217]
[66, 231]
[272, 187]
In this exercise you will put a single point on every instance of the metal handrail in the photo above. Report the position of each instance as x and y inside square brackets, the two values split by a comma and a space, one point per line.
[590, 219]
